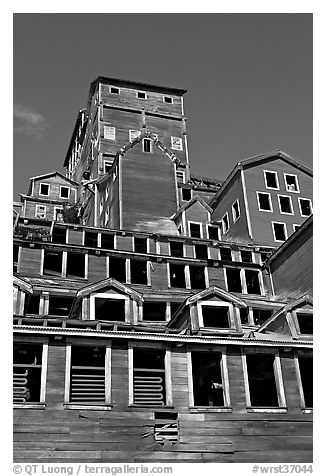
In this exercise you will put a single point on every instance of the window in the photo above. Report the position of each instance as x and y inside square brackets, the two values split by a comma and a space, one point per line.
[181, 176]
[285, 204]
[305, 207]
[195, 230]
[133, 135]
[208, 380]
[44, 189]
[264, 257]
[244, 315]
[52, 264]
[271, 179]
[60, 305]
[233, 280]
[138, 271]
[176, 249]
[27, 373]
[168, 99]
[213, 232]
[114, 90]
[58, 214]
[149, 383]
[140, 245]
[243, 281]
[32, 304]
[110, 309]
[216, 316]
[252, 281]
[305, 323]
[261, 315]
[141, 95]
[305, 377]
[246, 256]
[107, 241]
[201, 251]
[40, 211]
[75, 265]
[107, 164]
[154, 311]
[15, 258]
[279, 231]
[88, 375]
[226, 254]
[176, 143]
[59, 234]
[291, 183]
[166, 427]
[147, 145]
[263, 380]
[177, 276]
[235, 211]
[296, 227]
[117, 269]
[225, 223]
[174, 306]
[197, 277]
[109, 132]
[264, 202]
[90, 239]
[64, 192]
[186, 194]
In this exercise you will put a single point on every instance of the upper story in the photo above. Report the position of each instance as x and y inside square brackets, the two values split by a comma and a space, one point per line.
[264, 200]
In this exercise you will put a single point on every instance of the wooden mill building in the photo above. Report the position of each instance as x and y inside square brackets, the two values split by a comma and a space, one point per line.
[147, 325]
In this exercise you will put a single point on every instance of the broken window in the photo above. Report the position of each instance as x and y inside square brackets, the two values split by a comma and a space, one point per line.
[225, 223]
[147, 145]
[27, 366]
[117, 269]
[60, 305]
[149, 377]
[207, 379]
[110, 309]
[285, 204]
[114, 90]
[176, 248]
[261, 315]
[177, 276]
[233, 280]
[235, 210]
[306, 375]
[264, 257]
[90, 239]
[305, 323]
[201, 251]
[195, 230]
[44, 189]
[213, 232]
[75, 265]
[32, 304]
[166, 427]
[107, 241]
[261, 379]
[291, 183]
[197, 277]
[40, 211]
[279, 230]
[140, 245]
[87, 375]
[138, 271]
[305, 207]
[216, 316]
[168, 99]
[59, 234]
[226, 254]
[52, 263]
[154, 311]
[176, 143]
[252, 281]
[186, 194]
[15, 258]
[264, 202]
[271, 179]
[246, 256]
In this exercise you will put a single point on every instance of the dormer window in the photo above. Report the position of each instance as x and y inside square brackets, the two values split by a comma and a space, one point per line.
[147, 145]
[109, 307]
[215, 316]
[305, 322]
[195, 230]
[44, 189]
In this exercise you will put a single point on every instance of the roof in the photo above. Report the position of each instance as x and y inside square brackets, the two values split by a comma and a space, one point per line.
[189, 204]
[112, 283]
[257, 160]
[48, 175]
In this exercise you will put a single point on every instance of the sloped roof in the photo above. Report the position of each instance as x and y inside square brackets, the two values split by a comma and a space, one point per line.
[195, 199]
[112, 283]
[22, 284]
[46, 176]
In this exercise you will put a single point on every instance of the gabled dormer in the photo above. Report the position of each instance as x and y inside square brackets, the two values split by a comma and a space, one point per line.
[212, 311]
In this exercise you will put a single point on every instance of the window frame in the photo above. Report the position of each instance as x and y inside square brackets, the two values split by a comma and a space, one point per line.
[276, 179]
[279, 204]
[110, 297]
[183, 173]
[224, 229]
[183, 248]
[190, 222]
[216, 227]
[182, 197]
[175, 139]
[301, 354]
[296, 181]
[37, 207]
[114, 92]
[243, 280]
[295, 227]
[269, 199]
[112, 128]
[231, 315]
[168, 102]
[285, 231]
[66, 187]
[55, 211]
[235, 219]
[44, 194]
[147, 244]
[141, 92]
[295, 313]
[150, 141]
[310, 204]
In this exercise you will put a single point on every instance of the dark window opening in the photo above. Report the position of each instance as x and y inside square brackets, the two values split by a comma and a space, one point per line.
[117, 269]
[114, 90]
[261, 377]
[213, 233]
[207, 379]
[176, 248]
[285, 204]
[236, 210]
[107, 241]
[154, 311]
[59, 234]
[233, 280]
[149, 377]
[64, 192]
[225, 223]
[216, 316]
[174, 307]
[226, 254]
[52, 262]
[90, 239]
[27, 365]
[305, 207]
[279, 231]
[244, 315]
[271, 179]
[147, 145]
[166, 427]
[110, 309]
[44, 189]
[195, 230]
[201, 252]
[177, 276]
[264, 200]
[15, 258]
[140, 245]
[32, 304]
[261, 315]
[264, 257]
[252, 280]
[75, 265]
[246, 256]
[168, 99]
[138, 271]
[305, 323]
[306, 373]
[141, 95]
[197, 277]
[186, 194]
[60, 306]
[291, 183]
[87, 379]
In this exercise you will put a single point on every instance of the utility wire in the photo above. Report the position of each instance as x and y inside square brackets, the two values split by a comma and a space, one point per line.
[42, 132]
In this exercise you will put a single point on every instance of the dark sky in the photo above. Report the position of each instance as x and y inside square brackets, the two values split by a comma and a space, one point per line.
[248, 76]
